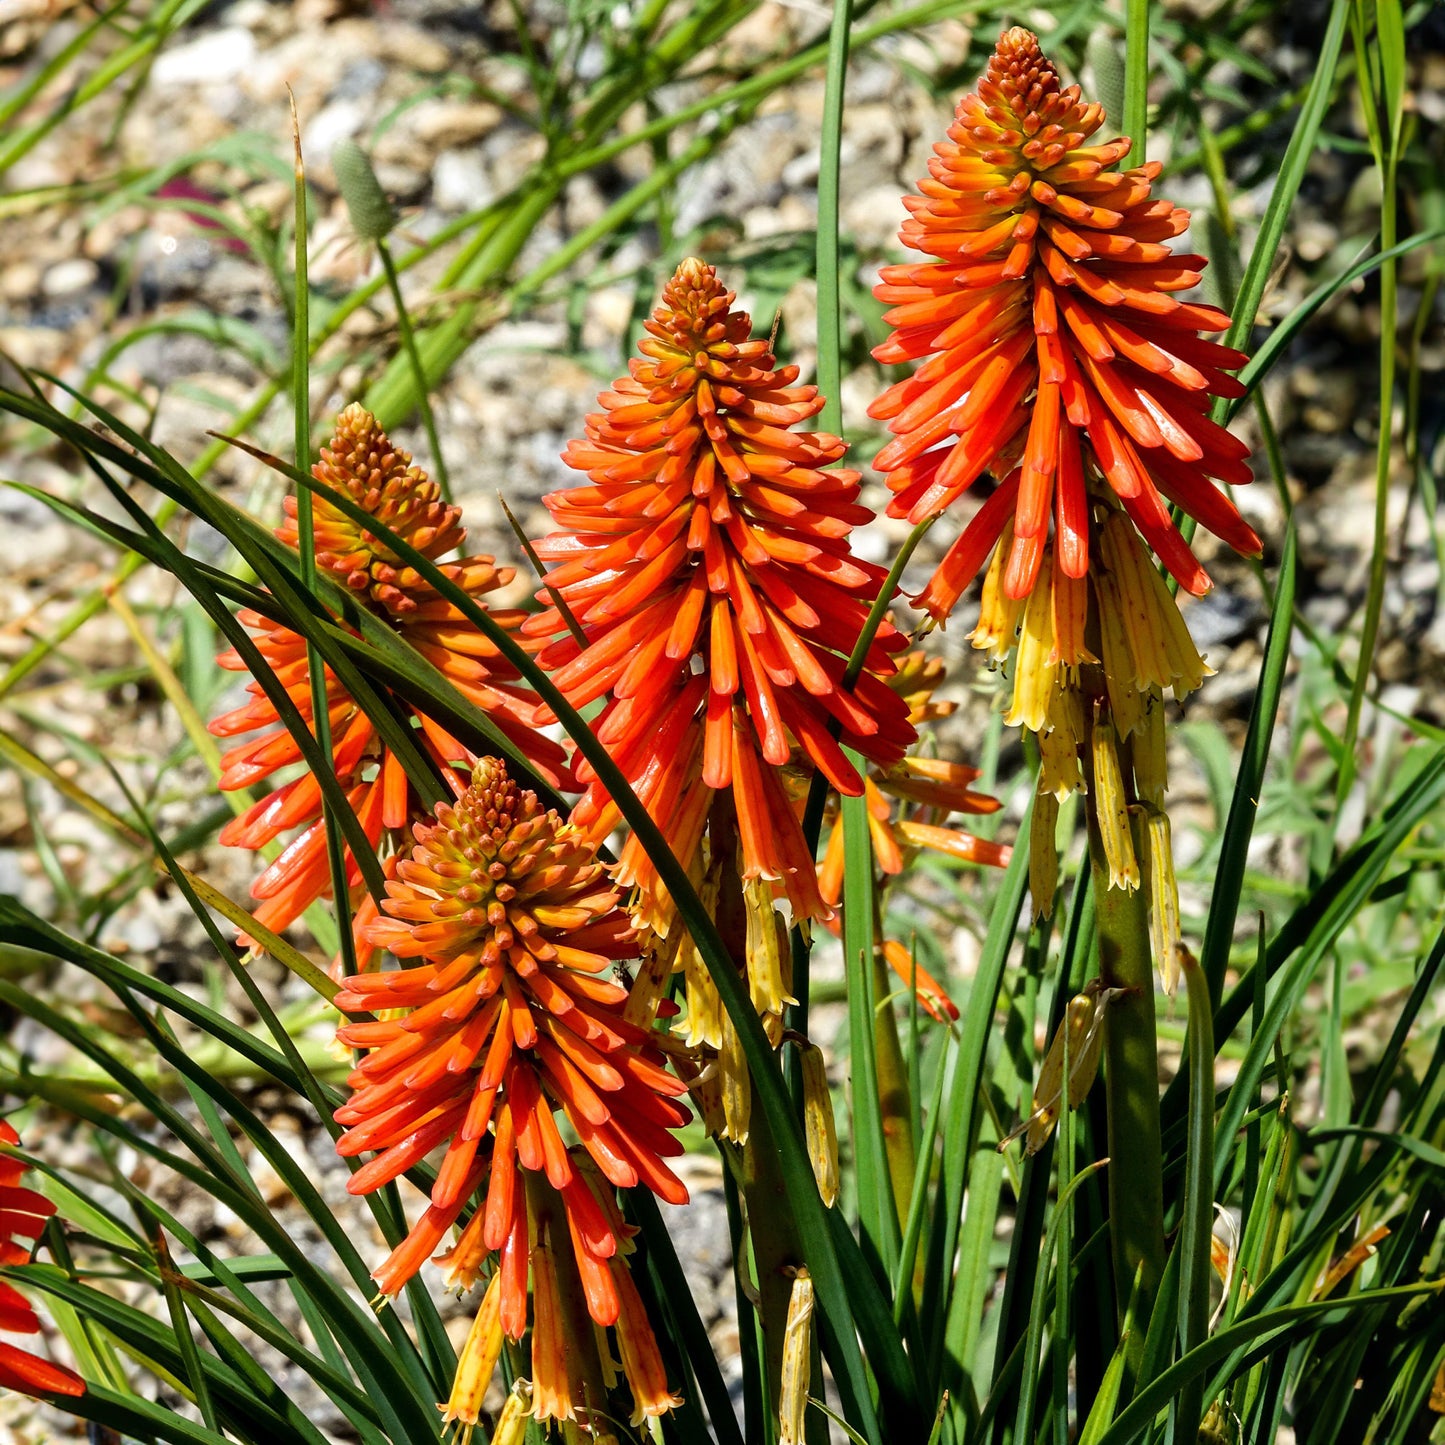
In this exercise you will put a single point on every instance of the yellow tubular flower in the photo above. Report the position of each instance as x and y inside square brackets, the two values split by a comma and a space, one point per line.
[766, 951]
[1164, 654]
[1151, 774]
[737, 1095]
[1036, 667]
[1044, 852]
[477, 1364]
[512, 1422]
[819, 1125]
[998, 613]
[1113, 807]
[797, 1361]
[1164, 934]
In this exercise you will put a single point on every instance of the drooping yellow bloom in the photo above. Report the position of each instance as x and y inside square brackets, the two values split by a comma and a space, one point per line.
[477, 1364]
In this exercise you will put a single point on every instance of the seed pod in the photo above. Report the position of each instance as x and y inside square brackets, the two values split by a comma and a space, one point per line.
[1044, 853]
[1112, 807]
[373, 217]
[819, 1125]
[737, 1094]
[1164, 936]
[1084, 1024]
[797, 1361]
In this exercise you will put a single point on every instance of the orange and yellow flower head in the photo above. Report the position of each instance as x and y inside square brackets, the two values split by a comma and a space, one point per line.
[708, 566]
[1055, 351]
[362, 465]
[23, 1215]
[507, 1019]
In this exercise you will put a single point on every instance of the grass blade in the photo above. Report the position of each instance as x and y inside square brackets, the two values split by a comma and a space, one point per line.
[1249, 780]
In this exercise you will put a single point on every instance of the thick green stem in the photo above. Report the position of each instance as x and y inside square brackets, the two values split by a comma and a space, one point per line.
[1136, 1188]
[777, 1250]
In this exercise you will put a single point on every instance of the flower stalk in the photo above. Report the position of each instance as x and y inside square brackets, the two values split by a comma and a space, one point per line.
[1131, 1062]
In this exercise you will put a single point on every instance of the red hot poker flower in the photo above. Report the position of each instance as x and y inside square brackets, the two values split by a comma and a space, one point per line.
[1056, 345]
[23, 1213]
[708, 564]
[362, 464]
[506, 1020]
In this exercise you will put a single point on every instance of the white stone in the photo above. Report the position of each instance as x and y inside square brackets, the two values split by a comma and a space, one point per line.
[222, 55]
[460, 181]
[67, 278]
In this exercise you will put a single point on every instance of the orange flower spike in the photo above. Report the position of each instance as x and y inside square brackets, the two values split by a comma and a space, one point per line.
[362, 464]
[707, 562]
[1056, 346]
[505, 1020]
[23, 1214]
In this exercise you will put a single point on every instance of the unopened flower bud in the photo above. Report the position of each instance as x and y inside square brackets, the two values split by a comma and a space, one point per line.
[819, 1125]
[797, 1361]
[931, 994]
[1112, 807]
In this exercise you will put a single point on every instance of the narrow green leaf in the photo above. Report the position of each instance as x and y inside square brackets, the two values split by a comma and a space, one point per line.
[1249, 781]
[1420, 1150]
[963, 1091]
[1291, 173]
[1230, 1343]
[877, 1214]
[1197, 1232]
[1341, 902]
[1038, 1310]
